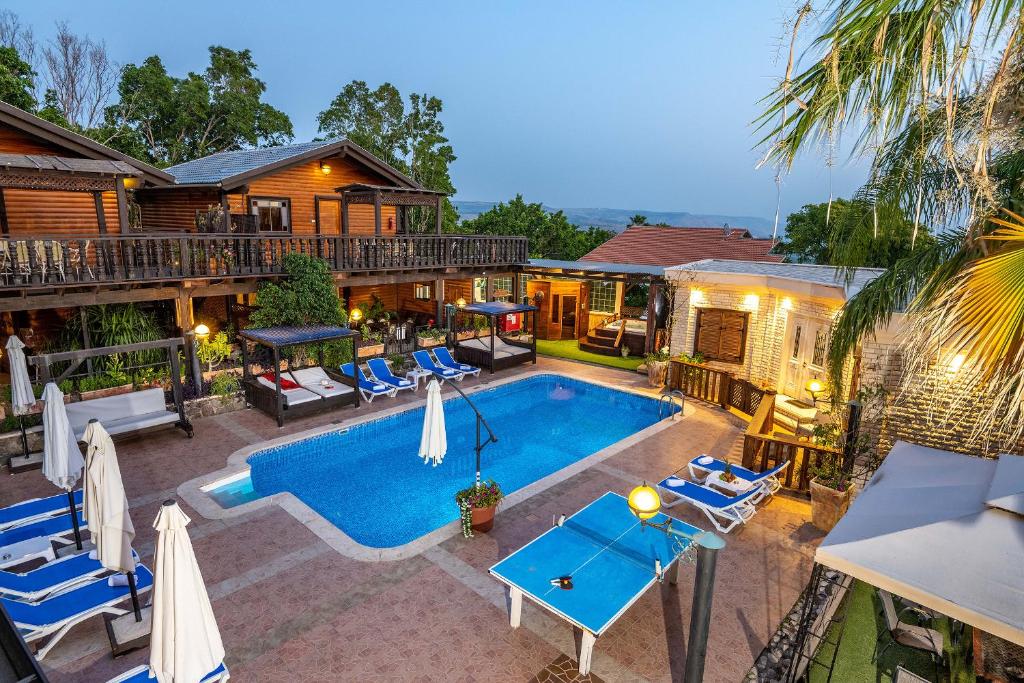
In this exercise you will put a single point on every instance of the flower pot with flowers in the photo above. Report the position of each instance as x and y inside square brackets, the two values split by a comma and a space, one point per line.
[477, 505]
[831, 486]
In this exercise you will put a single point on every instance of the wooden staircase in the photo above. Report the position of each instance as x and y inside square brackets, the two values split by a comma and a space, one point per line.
[602, 341]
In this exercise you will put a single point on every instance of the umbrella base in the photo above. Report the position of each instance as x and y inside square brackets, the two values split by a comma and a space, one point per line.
[127, 635]
[72, 549]
[25, 463]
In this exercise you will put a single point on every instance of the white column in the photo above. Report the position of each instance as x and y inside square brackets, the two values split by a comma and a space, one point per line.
[515, 611]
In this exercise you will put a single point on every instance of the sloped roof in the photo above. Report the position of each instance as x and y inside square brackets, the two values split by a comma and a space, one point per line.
[796, 272]
[672, 246]
[233, 168]
[599, 267]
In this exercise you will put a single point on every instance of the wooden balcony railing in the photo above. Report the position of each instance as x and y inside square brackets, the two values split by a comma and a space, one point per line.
[100, 259]
[714, 386]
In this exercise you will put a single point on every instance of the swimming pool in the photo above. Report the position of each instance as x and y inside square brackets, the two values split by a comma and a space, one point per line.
[543, 423]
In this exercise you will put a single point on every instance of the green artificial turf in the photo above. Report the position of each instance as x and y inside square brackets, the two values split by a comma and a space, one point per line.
[569, 348]
[863, 624]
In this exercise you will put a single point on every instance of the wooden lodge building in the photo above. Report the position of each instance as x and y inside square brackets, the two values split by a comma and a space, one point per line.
[83, 224]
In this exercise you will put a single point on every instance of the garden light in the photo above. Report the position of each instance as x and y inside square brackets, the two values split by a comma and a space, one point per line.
[460, 302]
[356, 315]
[202, 331]
[644, 502]
[815, 388]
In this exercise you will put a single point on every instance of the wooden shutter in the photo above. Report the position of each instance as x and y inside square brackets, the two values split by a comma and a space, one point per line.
[721, 334]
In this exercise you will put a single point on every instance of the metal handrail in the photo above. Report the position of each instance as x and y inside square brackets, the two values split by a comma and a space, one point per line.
[491, 438]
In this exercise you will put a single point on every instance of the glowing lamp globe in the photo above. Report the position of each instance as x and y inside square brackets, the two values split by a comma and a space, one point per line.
[644, 502]
[202, 331]
[460, 302]
[815, 387]
[356, 315]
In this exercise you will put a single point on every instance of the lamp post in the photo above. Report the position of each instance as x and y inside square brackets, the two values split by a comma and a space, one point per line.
[199, 333]
[815, 388]
[645, 503]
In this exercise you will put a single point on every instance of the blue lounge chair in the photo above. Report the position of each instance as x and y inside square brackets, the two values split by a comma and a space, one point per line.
[444, 359]
[37, 508]
[57, 614]
[380, 371]
[369, 390]
[425, 362]
[51, 577]
[768, 480]
[725, 512]
[52, 527]
[140, 674]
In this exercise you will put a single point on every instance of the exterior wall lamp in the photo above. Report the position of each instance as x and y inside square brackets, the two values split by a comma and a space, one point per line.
[325, 168]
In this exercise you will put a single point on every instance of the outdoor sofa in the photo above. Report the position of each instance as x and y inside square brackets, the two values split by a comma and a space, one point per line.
[126, 413]
[507, 354]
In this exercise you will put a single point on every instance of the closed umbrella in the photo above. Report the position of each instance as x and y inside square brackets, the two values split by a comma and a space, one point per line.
[434, 440]
[22, 397]
[106, 507]
[62, 461]
[185, 644]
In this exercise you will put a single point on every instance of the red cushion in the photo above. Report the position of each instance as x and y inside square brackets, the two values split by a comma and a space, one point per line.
[286, 384]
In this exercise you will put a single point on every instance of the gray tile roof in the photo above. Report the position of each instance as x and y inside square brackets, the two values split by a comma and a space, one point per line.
[600, 267]
[804, 272]
[224, 165]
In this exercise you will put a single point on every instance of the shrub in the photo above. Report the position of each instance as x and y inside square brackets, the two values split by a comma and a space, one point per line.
[225, 384]
[214, 351]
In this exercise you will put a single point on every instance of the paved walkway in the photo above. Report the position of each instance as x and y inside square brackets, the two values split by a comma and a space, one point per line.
[290, 608]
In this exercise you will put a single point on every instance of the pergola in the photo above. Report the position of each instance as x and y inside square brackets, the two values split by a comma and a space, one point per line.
[67, 174]
[495, 353]
[271, 401]
[386, 195]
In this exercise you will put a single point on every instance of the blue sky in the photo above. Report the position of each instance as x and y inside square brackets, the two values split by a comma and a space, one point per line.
[576, 104]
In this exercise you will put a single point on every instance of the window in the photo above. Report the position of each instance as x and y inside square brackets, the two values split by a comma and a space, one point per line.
[421, 292]
[272, 214]
[479, 290]
[721, 334]
[796, 343]
[820, 346]
[503, 288]
[555, 301]
[602, 297]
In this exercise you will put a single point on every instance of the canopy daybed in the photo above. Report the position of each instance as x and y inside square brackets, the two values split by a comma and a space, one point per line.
[498, 351]
[315, 388]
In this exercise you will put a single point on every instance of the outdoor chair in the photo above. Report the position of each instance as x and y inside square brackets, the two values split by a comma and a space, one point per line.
[725, 512]
[425, 362]
[58, 575]
[380, 371]
[141, 674]
[35, 509]
[703, 466]
[57, 614]
[56, 528]
[22, 259]
[291, 395]
[444, 359]
[369, 390]
[907, 634]
[317, 380]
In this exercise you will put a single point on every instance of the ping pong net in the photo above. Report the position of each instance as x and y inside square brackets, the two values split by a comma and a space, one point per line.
[629, 544]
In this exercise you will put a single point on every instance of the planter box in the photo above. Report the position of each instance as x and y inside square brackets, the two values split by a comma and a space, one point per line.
[828, 505]
[109, 391]
[463, 336]
[428, 343]
[371, 350]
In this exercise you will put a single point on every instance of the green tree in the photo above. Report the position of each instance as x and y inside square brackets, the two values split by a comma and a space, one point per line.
[945, 139]
[410, 139]
[638, 219]
[16, 80]
[167, 120]
[844, 234]
[551, 235]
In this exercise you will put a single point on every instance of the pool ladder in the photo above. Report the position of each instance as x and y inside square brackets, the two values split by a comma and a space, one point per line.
[669, 398]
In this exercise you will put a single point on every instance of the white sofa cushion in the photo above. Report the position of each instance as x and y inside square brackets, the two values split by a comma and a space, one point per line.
[123, 409]
[291, 397]
[311, 378]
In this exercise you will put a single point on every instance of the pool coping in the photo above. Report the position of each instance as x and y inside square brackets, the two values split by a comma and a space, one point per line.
[200, 501]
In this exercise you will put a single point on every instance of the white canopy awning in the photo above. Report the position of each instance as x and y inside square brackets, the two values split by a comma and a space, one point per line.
[941, 529]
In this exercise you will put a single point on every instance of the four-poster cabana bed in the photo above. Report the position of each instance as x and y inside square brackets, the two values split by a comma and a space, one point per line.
[496, 352]
[315, 388]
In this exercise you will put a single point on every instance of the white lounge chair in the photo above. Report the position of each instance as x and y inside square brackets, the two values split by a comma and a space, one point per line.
[369, 390]
[380, 371]
[426, 362]
[35, 509]
[291, 397]
[445, 360]
[703, 466]
[58, 614]
[58, 575]
[725, 512]
[319, 382]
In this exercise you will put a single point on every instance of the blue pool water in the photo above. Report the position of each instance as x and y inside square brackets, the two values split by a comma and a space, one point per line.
[370, 483]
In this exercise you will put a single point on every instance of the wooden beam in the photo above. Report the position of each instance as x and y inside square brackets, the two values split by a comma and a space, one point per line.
[226, 288]
[356, 280]
[101, 216]
[122, 206]
[5, 227]
[70, 300]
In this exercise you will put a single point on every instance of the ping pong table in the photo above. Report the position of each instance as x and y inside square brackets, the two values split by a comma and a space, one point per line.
[609, 559]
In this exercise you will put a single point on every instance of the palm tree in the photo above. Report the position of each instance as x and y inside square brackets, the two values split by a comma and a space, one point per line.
[638, 219]
[943, 129]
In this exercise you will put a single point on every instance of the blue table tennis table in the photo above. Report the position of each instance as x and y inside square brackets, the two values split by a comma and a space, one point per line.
[610, 558]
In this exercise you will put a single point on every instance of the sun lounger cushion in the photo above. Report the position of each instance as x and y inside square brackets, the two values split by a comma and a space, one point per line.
[39, 507]
[48, 526]
[291, 397]
[484, 344]
[703, 494]
[122, 413]
[286, 383]
[312, 378]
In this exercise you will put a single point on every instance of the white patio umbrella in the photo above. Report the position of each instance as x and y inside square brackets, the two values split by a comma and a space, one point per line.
[22, 397]
[434, 440]
[106, 507]
[185, 644]
[62, 460]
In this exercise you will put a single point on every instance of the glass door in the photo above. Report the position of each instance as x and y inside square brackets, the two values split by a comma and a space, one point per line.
[568, 320]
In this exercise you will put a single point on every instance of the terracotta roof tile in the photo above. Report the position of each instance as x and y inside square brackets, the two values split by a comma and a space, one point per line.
[672, 246]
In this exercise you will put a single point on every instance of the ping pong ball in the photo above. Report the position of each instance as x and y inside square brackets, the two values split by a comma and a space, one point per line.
[644, 502]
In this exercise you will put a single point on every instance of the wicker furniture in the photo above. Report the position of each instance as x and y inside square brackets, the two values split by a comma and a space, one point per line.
[494, 352]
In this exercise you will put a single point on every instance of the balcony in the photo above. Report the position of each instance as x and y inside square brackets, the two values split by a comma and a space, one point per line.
[46, 263]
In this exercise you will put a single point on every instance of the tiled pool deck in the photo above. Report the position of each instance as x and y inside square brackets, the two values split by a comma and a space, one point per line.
[291, 608]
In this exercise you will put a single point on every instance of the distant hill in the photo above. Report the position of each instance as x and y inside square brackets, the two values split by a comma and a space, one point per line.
[618, 219]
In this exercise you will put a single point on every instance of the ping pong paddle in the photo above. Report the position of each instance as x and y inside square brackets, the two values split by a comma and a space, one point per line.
[563, 582]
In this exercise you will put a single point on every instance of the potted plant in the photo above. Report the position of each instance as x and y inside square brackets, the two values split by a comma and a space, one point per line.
[397, 361]
[372, 343]
[831, 486]
[657, 367]
[428, 337]
[477, 505]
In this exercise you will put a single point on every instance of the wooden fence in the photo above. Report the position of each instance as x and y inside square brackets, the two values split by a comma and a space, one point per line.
[714, 386]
